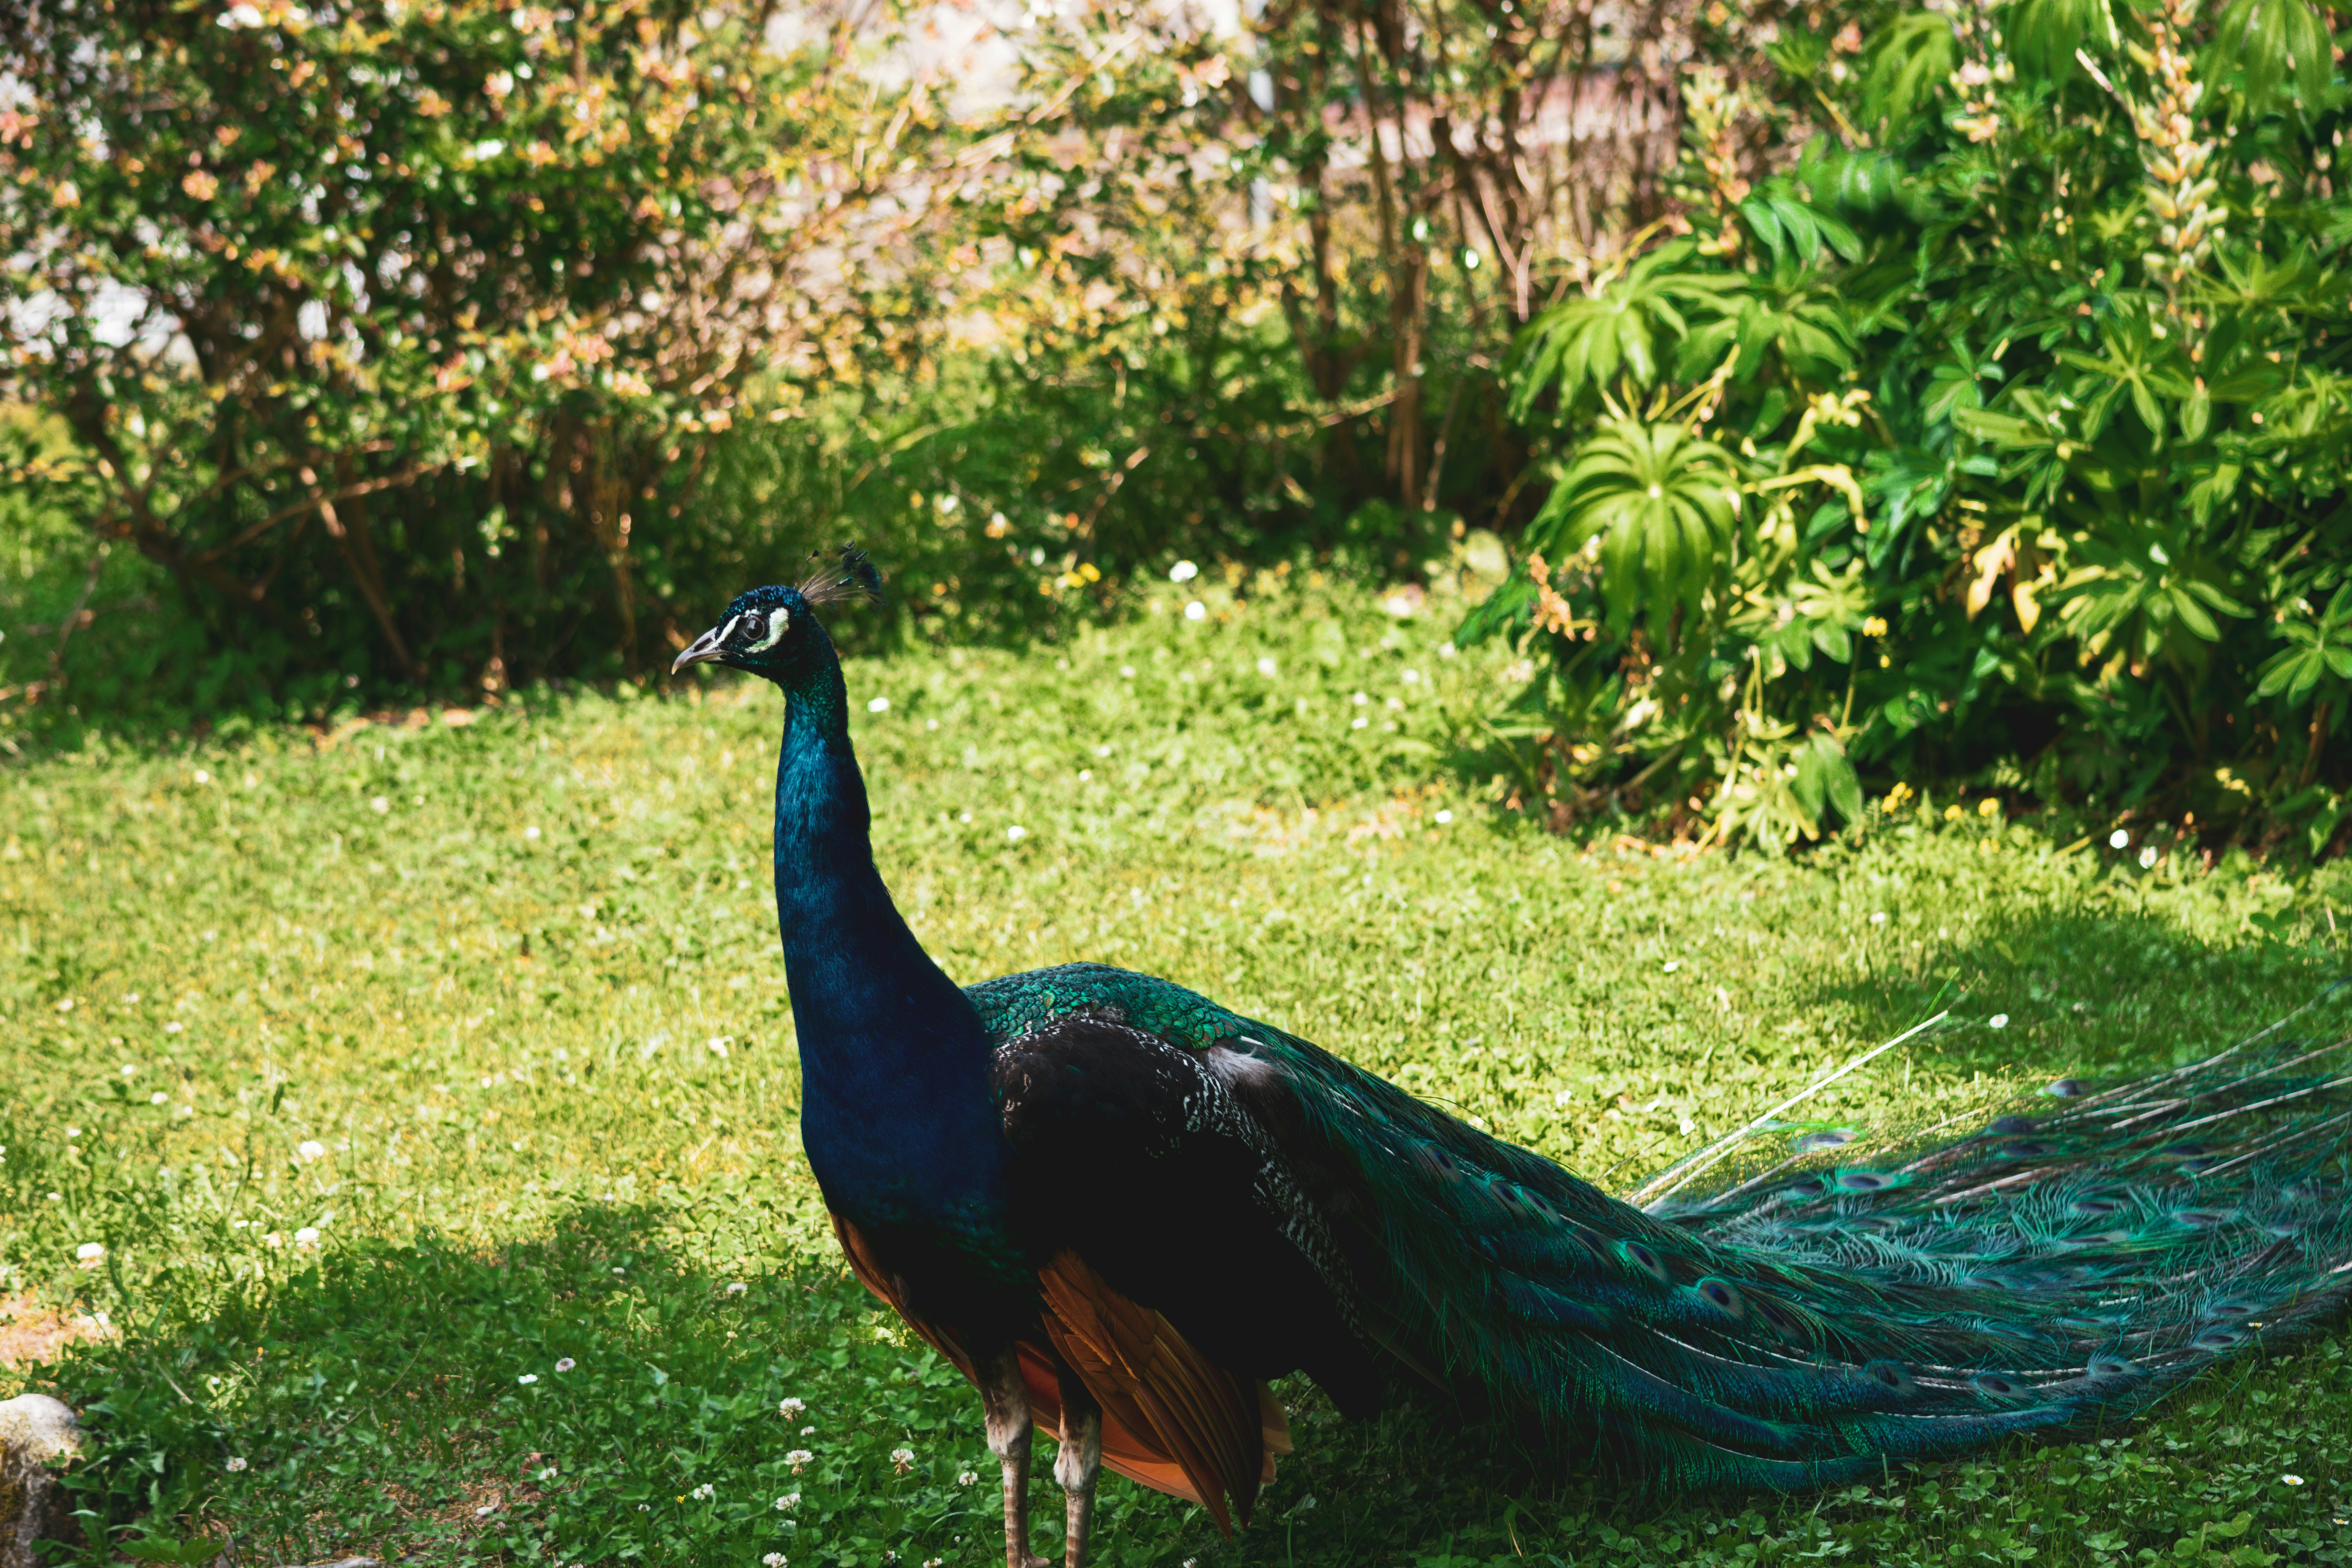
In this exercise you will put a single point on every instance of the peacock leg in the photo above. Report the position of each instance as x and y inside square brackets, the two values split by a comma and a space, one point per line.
[1077, 1465]
[1004, 1406]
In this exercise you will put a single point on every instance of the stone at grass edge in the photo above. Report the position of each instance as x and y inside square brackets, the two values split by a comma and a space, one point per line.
[33, 1431]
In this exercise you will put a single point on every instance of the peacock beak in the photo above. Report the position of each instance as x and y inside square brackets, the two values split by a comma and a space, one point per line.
[704, 648]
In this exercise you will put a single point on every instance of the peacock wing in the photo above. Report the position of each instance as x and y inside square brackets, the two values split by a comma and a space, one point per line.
[1183, 1265]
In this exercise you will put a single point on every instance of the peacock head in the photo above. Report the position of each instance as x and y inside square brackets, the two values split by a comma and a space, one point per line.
[771, 631]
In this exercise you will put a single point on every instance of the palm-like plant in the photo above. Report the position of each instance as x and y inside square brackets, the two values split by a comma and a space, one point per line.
[1662, 502]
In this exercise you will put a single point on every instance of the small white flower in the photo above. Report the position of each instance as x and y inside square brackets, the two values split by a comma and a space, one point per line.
[203, 777]
[380, 805]
[311, 1149]
[73, 1132]
[526, 1379]
[235, 1464]
[1671, 964]
[1444, 817]
[966, 1479]
[174, 1027]
[798, 1457]
[1196, 611]
[788, 1502]
[242, 15]
[736, 1289]
[1182, 572]
[2118, 840]
[127, 1068]
[704, 1492]
[792, 1406]
[964, 818]
[1126, 672]
[2291, 1480]
[1267, 668]
[531, 832]
[1360, 724]
[2147, 856]
[718, 1047]
[879, 705]
[159, 1098]
[90, 1251]
[808, 1431]
[1998, 1020]
[566, 1364]
[1878, 917]
[773, 1560]
[902, 1458]
[1359, 699]
[1016, 833]
[306, 1237]
[1411, 677]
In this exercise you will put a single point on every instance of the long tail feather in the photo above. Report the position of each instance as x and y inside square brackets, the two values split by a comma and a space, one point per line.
[2049, 1272]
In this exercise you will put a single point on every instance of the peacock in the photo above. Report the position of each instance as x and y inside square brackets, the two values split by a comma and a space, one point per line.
[1120, 1209]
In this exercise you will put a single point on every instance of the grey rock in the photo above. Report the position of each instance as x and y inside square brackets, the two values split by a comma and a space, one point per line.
[34, 1430]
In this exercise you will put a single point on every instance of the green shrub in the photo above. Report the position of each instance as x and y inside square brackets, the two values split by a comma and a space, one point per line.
[2031, 410]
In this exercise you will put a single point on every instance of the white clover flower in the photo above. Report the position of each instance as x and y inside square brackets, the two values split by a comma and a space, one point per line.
[1444, 817]
[736, 1289]
[159, 1098]
[1267, 668]
[1016, 833]
[127, 1068]
[879, 705]
[1196, 611]
[89, 1252]
[1182, 572]
[792, 1406]
[966, 1479]
[808, 1431]
[566, 1364]
[547, 1472]
[1361, 722]
[532, 832]
[902, 1458]
[2119, 839]
[773, 1560]
[174, 1027]
[307, 1237]
[788, 1502]
[1998, 1020]
[798, 1457]
[311, 1149]
[1126, 672]
[704, 1492]
[235, 1464]
[1878, 917]
[380, 805]
[526, 1379]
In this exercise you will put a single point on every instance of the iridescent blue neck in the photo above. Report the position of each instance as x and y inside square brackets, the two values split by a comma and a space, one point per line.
[895, 1110]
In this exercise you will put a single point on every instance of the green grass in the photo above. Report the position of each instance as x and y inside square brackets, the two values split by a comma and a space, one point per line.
[549, 1084]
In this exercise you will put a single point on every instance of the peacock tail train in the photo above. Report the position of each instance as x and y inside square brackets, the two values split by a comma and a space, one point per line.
[1813, 1320]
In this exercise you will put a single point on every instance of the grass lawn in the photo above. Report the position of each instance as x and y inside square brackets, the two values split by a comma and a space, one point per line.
[432, 1093]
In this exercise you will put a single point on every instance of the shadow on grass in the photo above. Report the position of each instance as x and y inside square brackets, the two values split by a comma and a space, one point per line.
[2083, 992]
[580, 1397]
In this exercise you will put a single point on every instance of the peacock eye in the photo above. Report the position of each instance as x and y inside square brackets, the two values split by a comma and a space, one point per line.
[779, 619]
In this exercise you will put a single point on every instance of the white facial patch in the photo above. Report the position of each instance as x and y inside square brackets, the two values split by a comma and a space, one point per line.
[778, 619]
[727, 630]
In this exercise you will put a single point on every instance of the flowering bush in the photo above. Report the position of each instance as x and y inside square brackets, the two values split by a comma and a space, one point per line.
[393, 333]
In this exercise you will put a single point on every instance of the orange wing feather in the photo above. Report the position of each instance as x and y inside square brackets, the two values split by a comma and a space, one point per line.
[1173, 1420]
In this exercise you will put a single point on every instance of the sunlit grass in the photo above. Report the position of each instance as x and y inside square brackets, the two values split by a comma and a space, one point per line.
[402, 1071]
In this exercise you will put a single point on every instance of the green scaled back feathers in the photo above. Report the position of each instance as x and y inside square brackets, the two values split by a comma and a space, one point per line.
[1812, 1322]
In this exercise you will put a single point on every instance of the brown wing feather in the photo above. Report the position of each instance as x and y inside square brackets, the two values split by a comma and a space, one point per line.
[1173, 1419]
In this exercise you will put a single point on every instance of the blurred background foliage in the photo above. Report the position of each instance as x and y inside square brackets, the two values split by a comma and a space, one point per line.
[1842, 393]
